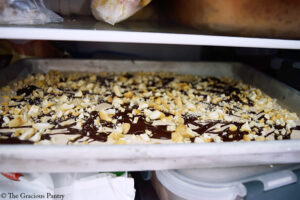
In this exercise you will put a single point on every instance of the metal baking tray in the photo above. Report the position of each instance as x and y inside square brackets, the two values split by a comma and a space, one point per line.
[88, 158]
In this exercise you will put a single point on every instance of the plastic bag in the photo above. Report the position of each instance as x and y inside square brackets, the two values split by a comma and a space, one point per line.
[26, 12]
[66, 186]
[114, 11]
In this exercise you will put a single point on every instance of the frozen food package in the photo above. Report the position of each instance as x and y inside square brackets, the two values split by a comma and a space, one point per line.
[114, 11]
[258, 18]
[26, 12]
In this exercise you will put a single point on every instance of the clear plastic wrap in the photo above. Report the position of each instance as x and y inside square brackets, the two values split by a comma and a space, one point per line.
[114, 11]
[26, 12]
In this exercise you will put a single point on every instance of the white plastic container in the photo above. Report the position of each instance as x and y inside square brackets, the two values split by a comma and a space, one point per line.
[219, 183]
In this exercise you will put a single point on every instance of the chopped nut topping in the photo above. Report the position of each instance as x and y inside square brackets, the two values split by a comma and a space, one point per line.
[115, 136]
[15, 122]
[232, 128]
[104, 116]
[27, 134]
[142, 107]
[78, 94]
[177, 137]
[117, 91]
[125, 128]
[128, 94]
[145, 137]
[42, 126]
[246, 127]
[155, 115]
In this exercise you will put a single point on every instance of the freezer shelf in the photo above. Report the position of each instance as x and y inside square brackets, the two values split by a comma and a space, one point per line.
[88, 29]
[89, 158]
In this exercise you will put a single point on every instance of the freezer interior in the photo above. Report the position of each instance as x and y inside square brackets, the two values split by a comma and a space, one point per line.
[254, 42]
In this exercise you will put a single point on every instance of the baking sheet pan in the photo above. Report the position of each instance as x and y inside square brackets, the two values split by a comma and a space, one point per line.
[88, 158]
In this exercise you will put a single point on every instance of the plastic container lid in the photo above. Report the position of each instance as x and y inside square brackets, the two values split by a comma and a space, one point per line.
[224, 183]
[189, 190]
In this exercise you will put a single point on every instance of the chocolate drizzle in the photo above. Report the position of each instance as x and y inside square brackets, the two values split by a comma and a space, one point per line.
[208, 127]
[90, 132]
[14, 140]
[26, 90]
[1, 121]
